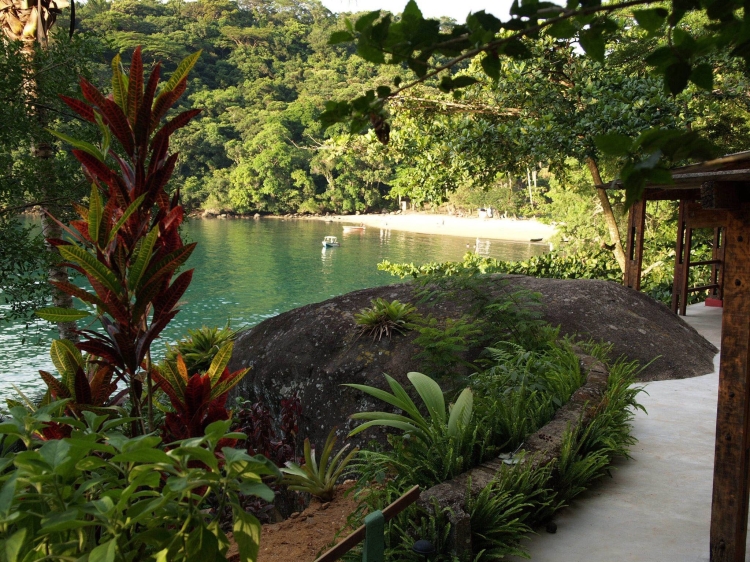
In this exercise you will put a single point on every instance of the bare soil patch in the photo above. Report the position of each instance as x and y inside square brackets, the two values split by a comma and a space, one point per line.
[310, 533]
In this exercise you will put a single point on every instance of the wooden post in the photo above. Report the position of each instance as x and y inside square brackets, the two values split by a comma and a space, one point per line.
[679, 256]
[634, 250]
[729, 509]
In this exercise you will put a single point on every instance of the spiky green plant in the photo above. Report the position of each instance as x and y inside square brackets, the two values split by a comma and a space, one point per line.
[200, 347]
[383, 318]
[318, 479]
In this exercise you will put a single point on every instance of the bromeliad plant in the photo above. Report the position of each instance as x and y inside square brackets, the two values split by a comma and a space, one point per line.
[127, 243]
[383, 318]
[318, 479]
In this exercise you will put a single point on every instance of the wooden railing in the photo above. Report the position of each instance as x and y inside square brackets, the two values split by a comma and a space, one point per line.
[372, 530]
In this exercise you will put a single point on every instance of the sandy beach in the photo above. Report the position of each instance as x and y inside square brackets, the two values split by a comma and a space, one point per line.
[465, 227]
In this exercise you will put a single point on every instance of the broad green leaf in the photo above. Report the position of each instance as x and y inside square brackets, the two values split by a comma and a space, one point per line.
[14, 544]
[340, 37]
[95, 214]
[7, 492]
[461, 413]
[119, 87]
[651, 19]
[104, 552]
[92, 266]
[703, 76]
[197, 453]
[593, 43]
[614, 145]
[676, 77]
[67, 359]
[246, 531]
[491, 65]
[405, 427]
[144, 455]
[181, 71]
[258, 489]
[412, 11]
[132, 208]
[366, 20]
[64, 521]
[55, 452]
[562, 30]
[431, 394]
[57, 314]
[142, 258]
[87, 147]
[220, 362]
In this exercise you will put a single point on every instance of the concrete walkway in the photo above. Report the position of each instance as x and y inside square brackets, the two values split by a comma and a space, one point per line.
[657, 506]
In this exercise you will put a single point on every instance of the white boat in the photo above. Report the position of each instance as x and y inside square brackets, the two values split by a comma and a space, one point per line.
[330, 241]
[359, 228]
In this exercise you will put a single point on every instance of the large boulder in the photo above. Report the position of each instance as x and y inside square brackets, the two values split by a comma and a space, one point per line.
[315, 349]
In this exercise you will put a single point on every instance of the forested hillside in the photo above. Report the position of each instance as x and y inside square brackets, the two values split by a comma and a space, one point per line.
[523, 144]
[267, 70]
[264, 75]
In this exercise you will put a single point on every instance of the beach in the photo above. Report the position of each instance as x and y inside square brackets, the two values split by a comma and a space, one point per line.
[451, 225]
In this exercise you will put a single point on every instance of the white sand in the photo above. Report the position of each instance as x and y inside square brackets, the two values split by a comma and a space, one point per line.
[471, 227]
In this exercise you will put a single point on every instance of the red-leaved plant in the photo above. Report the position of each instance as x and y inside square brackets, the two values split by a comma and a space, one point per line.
[199, 399]
[126, 243]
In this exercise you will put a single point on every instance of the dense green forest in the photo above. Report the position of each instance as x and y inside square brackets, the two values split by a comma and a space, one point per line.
[523, 144]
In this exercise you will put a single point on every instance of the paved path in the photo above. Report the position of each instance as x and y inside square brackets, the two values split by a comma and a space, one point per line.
[657, 506]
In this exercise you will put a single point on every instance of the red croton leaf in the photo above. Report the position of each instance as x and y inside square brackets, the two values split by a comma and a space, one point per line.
[143, 120]
[135, 85]
[80, 108]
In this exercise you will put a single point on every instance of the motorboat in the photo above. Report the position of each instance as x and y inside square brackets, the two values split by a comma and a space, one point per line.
[330, 242]
[359, 228]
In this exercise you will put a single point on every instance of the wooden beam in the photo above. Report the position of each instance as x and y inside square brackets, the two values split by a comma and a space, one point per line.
[729, 507]
[634, 249]
[656, 194]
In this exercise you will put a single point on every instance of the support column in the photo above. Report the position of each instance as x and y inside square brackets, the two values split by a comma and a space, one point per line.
[679, 256]
[634, 250]
[729, 509]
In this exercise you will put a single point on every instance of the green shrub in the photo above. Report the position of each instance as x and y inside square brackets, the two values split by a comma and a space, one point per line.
[318, 479]
[383, 318]
[200, 347]
[99, 495]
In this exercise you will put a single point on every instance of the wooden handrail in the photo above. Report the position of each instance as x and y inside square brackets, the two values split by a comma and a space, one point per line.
[704, 262]
[703, 288]
[337, 551]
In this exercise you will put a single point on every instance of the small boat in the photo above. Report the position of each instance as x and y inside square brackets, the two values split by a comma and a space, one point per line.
[535, 240]
[330, 241]
[360, 228]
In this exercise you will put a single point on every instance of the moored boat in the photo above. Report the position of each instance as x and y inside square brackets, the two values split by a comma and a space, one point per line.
[330, 241]
[360, 228]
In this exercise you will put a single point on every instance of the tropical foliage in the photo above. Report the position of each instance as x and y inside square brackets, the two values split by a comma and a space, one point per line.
[127, 243]
[383, 318]
[104, 496]
[319, 478]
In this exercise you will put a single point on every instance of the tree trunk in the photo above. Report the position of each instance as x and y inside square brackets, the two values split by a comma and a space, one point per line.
[30, 23]
[609, 216]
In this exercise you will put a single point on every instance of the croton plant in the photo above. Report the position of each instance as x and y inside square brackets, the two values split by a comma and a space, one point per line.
[126, 242]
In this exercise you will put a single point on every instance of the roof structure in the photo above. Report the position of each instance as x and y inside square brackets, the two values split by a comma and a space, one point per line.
[732, 167]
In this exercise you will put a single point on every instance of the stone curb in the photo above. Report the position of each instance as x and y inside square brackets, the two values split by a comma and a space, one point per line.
[541, 448]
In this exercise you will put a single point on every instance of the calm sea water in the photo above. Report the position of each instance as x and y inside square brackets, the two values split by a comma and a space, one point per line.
[250, 270]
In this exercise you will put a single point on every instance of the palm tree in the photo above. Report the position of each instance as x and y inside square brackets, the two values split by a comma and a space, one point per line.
[30, 22]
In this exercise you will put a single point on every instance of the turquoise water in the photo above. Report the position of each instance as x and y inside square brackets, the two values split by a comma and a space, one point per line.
[250, 270]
